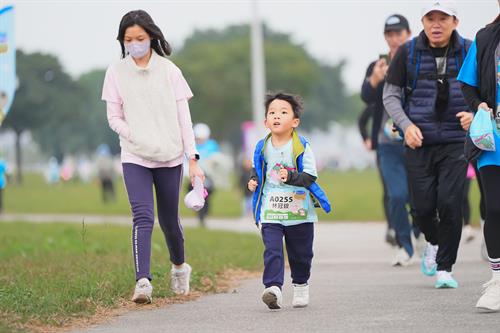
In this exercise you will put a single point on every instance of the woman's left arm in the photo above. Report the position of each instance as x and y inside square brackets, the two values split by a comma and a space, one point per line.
[186, 126]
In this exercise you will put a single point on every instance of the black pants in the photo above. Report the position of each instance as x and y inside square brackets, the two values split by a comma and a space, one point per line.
[490, 177]
[436, 177]
[466, 204]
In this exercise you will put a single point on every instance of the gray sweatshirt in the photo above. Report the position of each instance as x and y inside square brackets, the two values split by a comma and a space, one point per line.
[393, 100]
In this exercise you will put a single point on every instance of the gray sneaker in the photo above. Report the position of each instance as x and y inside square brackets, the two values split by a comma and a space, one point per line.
[143, 291]
[180, 279]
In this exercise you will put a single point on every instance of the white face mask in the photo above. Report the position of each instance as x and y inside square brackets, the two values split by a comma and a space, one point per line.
[138, 49]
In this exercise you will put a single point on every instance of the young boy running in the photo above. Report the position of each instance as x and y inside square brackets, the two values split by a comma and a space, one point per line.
[285, 194]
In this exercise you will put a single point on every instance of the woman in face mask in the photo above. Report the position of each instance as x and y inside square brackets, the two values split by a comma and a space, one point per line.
[147, 106]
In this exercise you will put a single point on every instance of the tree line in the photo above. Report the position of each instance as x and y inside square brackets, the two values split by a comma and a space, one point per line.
[66, 115]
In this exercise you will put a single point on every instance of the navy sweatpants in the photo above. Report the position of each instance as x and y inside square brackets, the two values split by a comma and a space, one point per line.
[139, 182]
[299, 247]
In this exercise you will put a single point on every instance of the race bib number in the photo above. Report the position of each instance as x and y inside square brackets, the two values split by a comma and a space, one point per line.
[286, 205]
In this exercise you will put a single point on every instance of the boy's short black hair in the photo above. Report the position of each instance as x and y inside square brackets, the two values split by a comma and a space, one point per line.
[294, 100]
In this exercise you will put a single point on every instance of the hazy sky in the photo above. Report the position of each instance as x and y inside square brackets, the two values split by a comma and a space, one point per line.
[82, 33]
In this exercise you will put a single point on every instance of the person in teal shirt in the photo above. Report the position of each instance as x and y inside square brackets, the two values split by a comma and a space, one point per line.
[3, 181]
[480, 75]
[208, 149]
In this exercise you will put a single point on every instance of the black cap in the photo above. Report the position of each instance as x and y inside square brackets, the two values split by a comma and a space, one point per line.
[396, 22]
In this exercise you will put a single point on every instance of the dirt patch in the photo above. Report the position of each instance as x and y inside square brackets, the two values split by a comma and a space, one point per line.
[227, 282]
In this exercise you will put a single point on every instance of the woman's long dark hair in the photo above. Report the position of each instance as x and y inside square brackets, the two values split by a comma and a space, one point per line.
[142, 19]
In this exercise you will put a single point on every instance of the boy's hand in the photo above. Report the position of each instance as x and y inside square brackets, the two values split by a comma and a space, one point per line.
[283, 174]
[252, 185]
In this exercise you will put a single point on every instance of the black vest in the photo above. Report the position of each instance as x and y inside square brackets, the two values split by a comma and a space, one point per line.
[420, 104]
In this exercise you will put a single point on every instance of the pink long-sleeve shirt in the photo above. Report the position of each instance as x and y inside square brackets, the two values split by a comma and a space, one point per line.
[118, 123]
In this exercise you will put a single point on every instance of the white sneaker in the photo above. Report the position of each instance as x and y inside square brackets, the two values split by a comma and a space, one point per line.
[143, 291]
[428, 265]
[402, 258]
[179, 282]
[469, 233]
[419, 244]
[272, 297]
[445, 280]
[300, 295]
[490, 300]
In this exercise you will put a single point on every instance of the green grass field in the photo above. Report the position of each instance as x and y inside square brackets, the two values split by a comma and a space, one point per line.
[355, 196]
[50, 273]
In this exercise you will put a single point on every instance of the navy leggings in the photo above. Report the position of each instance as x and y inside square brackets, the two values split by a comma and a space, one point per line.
[299, 247]
[139, 182]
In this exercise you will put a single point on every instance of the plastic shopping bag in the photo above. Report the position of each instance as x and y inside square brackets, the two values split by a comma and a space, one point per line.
[195, 199]
[481, 131]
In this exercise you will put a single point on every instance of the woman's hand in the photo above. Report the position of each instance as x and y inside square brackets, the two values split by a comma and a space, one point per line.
[195, 171]
[485, 106]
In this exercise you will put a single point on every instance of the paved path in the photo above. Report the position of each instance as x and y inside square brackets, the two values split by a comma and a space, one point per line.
[353, 289]
[238, 224]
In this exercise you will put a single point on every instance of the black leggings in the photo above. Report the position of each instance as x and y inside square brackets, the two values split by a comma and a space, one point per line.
[490, 179]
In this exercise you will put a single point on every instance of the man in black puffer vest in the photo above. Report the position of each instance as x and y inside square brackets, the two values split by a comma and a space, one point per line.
[424, 98]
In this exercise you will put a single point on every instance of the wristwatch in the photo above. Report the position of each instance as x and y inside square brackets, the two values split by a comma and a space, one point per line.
[194, 157]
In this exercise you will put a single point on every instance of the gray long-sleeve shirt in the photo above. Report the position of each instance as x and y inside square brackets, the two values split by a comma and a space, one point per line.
[393, 97]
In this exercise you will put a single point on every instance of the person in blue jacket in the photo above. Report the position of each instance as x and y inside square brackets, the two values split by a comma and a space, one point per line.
[285, 194]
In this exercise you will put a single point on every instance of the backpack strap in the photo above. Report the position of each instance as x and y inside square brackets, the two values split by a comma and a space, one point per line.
[412, 67]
